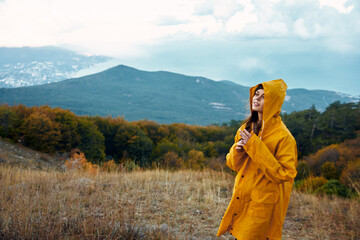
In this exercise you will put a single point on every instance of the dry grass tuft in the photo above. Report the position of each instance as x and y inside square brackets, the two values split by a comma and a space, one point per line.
[152, 204]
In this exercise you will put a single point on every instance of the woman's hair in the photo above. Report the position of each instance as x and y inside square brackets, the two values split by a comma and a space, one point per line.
[253, 118]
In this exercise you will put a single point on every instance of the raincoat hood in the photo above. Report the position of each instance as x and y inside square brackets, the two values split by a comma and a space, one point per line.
[275, 92]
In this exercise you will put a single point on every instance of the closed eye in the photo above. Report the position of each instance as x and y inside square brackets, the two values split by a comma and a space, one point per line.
[257, 94]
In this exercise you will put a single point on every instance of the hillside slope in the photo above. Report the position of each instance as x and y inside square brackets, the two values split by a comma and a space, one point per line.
[15, 154]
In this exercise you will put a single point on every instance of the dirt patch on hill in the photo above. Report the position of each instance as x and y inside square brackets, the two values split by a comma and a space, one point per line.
[15, 154]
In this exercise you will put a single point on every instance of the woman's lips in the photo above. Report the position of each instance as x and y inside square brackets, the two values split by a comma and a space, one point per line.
[256, 104]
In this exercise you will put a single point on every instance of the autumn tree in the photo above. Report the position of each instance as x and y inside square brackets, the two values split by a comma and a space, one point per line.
[41, 133]
[171, 160]
[67, 121]
[153, 130]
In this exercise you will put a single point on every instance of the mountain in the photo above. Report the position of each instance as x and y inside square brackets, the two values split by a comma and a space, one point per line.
[161, 96]
[29, 66]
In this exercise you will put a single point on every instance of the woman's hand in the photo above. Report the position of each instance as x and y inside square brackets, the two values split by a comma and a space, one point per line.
[245, 136]
[239, 146]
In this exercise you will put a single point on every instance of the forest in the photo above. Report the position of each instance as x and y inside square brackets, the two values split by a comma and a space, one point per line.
[328, 145]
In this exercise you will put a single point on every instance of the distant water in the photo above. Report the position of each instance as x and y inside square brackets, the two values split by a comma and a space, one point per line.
[99, 67]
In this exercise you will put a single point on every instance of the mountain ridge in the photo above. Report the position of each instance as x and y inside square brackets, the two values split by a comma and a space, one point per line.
[161, 96]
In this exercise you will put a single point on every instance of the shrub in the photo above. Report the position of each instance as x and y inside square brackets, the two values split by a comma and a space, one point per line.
[349, 152]
[109, 166]
[327, 154]
[196, 159]
[350, 177]
[329, 171]
[79, 162]
[310, 184]
[333, 187]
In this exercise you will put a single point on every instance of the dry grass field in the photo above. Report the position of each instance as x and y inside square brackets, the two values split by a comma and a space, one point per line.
[151, 204]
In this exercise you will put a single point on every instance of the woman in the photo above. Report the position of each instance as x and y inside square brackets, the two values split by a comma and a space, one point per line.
[264, 156]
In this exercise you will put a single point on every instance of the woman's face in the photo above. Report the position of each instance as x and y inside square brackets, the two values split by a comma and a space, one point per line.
[258, 100]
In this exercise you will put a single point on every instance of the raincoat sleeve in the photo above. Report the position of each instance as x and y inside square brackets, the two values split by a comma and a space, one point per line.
[235, 159]
[277, 168]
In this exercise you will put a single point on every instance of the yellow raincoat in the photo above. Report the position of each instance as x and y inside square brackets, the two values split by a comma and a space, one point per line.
[265, 173]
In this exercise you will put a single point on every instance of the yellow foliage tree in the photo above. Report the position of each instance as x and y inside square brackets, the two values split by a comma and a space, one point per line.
[196, 159]
[41, 132]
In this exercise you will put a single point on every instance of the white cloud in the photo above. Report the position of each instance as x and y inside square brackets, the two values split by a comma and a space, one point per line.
[300, 29]
[127, 28]
[238, 22]
[337, 4]
[219, 9]
[200, 25]
[120, 27]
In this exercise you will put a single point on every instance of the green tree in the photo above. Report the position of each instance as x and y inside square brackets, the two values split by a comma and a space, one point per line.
[9, 122]
[304, 127]
[163, 147]
[210, 150]
[91, 140]
[108, 127]
[338, 122]
[133, 140]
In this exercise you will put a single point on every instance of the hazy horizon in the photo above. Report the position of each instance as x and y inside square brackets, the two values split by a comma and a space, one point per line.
[309, 44]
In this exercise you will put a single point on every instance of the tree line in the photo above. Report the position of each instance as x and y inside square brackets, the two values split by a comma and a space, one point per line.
[148, 144]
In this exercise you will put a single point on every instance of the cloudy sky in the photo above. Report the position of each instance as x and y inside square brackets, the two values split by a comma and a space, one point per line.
[311, 44]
